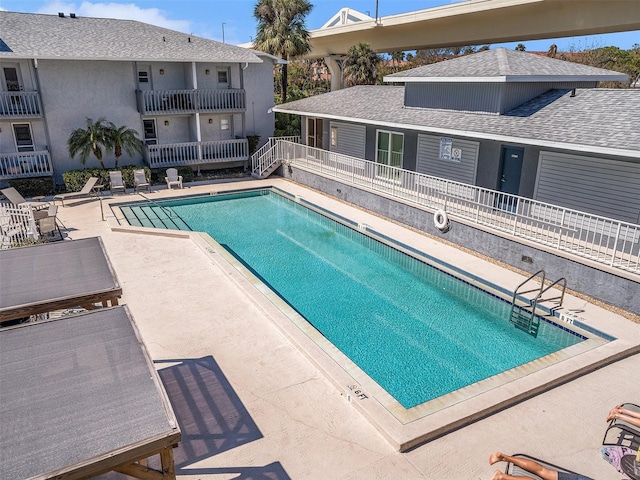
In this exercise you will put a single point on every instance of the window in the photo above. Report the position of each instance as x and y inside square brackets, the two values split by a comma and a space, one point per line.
[223, 78]
[12, 81]
[389, 152]
[143, 77]
[334, 136]
[224, 124]
[23, 137]
[150, 136]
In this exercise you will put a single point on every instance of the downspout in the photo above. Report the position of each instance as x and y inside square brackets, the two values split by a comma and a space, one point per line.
[244, 113]
[194, 78]
[45, 125]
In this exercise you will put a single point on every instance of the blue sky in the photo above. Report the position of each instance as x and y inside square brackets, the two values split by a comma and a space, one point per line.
[206, 17]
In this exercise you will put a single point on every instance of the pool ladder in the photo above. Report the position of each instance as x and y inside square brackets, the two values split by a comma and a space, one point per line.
[523, 310]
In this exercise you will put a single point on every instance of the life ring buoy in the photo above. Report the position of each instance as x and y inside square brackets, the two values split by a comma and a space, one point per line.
[441, 220]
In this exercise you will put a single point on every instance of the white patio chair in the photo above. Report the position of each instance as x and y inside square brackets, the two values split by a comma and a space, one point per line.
[173, 179]
[116, 183]
[140, 180]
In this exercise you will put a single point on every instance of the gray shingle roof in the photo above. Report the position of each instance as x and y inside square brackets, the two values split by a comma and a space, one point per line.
[593, 120]
[28, 35]
[510, 65]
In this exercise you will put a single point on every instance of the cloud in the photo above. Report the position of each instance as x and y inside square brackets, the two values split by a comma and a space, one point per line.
[126, 11]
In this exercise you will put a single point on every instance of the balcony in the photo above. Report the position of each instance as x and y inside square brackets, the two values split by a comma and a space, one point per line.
[20, 105]
[172, 102]
[197, 153]
[25, 165]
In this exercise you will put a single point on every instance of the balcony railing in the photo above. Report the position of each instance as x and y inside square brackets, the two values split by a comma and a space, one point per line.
[600, 239]
[197, 153]
[190, 101]
[20, 105]
[25, 164]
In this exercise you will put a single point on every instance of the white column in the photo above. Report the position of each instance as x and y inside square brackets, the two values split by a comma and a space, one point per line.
[335, 68]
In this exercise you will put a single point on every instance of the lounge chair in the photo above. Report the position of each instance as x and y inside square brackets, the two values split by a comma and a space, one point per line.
[116, 184]
[140, 180]
[48, 225]
[626, 431]
[89, 189]
[14, 197]
[516, 471]
[173, 179]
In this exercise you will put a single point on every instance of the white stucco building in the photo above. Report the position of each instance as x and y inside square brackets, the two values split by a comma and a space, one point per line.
[193, 101]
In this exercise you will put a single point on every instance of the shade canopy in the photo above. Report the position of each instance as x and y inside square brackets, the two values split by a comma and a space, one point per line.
[79, 396]
[57, 275]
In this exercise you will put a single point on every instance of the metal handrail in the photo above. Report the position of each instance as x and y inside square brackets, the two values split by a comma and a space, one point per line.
[517, 291]
[560, 297]
[170, 213]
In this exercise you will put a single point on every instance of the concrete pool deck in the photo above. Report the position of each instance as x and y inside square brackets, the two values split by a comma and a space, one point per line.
[190, 303]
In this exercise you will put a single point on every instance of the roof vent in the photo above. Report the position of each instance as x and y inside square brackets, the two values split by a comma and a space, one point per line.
[573, 92]
[164, 39]
[61, 14]
[189, 39]
[72, 15]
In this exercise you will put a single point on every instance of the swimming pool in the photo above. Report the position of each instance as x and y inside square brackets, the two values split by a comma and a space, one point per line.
[419, 332]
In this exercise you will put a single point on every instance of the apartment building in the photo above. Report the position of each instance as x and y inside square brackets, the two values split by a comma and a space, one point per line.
[193, 101]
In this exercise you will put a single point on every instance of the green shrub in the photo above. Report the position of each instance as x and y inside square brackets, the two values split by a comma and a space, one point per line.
[253, 141]
[32, 187]
[158, 175]
[74, 180]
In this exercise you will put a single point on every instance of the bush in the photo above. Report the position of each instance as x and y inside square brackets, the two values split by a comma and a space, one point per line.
[253, 141]
[159, 175]
[32, 187]
[74, 180]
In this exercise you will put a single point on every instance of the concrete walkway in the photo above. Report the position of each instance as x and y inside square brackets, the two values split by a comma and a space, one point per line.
[283, 418]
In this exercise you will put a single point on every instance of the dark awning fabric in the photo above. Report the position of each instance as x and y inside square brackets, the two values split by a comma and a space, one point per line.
[33, 277]
[76, 390]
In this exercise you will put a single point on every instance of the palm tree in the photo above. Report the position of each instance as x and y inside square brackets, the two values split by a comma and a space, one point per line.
[397, 58]
[85, 141]
[122, 138]
[282, 31]
[360, 66]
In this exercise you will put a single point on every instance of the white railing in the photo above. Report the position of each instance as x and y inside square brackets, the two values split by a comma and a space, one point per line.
[261, 160]
[25, 164]
[225, 150]
[20, 104]
[17, 226]
[197, 153]
[189, 101]
[220, 100]
[600, 239]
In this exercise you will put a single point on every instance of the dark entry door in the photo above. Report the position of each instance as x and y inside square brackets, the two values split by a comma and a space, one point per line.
[510, 172]
[510, 169]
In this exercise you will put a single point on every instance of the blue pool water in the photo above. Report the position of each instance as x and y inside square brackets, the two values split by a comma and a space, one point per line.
[418, 332]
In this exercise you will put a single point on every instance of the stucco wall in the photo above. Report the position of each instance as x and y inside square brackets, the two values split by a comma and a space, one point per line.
[74, 90]
[258, 83]
[594, 282]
